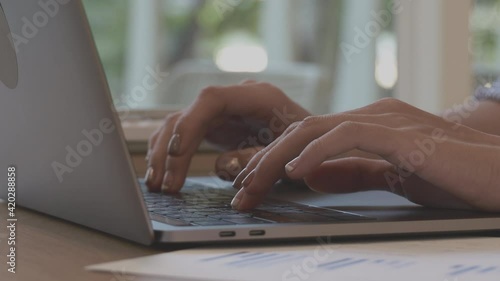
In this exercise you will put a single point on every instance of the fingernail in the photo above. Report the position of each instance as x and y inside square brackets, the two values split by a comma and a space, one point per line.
[230, 165]
[167, 182]
[175, 144]
[248, 180]
[149, 175]
[239, 178]
[147, 155]
[237, 199]
[291, 165]
[233, 166]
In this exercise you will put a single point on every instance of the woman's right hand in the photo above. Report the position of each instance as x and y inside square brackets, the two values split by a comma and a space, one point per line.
[240, 119]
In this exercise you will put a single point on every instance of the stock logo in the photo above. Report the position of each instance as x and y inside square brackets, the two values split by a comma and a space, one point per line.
[8, 56]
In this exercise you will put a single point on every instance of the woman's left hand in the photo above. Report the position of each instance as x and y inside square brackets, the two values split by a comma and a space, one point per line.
[426, 159]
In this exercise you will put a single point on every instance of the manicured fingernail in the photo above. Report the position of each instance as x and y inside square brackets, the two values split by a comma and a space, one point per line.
[148, 155]
[237, 199]
[233, 166]
[175, 144]
[237, 181]
[149, 175]
[229, 165]
[291, 165]
[167, 182]
[248, 180]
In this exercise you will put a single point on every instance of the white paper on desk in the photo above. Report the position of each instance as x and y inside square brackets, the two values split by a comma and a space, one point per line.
[463, 259]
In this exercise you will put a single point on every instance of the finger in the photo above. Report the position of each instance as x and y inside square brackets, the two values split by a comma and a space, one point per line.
[359, 174]
[176, 169]
[214, 104]
[158, 154]
[393, 145]
[350, 175]
[372, 138]
[189, 131]
[258, 156]
[326, 123]
[237, 133]
[228, 165]
[266, 164]
[151, 142]
[269, 164]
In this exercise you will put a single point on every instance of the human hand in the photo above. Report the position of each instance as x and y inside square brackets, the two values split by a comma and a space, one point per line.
[427, 159]
[240, 119]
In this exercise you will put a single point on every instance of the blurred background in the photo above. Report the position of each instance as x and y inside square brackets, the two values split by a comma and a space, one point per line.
[329, 55]
[485, 40]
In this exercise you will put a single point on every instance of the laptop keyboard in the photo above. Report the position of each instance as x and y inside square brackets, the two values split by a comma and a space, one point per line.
[200, 205]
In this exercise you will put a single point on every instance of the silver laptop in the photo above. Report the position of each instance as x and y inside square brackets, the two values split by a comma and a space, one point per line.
[61, 134]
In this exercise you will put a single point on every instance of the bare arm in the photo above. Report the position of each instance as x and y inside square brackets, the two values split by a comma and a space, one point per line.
[485, 118]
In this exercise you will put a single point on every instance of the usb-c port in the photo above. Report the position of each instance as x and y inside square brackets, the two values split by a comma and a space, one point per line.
[227, 234]
[257, 232]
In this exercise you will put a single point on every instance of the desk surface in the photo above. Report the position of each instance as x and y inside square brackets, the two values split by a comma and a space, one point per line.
[49, 249]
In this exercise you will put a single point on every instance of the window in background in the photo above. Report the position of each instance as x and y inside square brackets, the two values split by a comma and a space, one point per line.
[386, 63]
[434, 68]
[366, 69]
[485, 41]
[292, 43]
[109, 20]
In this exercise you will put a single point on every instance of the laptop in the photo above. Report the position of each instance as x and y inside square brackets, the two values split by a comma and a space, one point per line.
[62, 136]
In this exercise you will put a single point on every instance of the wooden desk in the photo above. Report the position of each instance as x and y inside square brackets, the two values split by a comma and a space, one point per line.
[49, 249]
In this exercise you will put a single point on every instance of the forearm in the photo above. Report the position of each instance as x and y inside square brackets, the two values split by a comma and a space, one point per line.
[485, 117]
